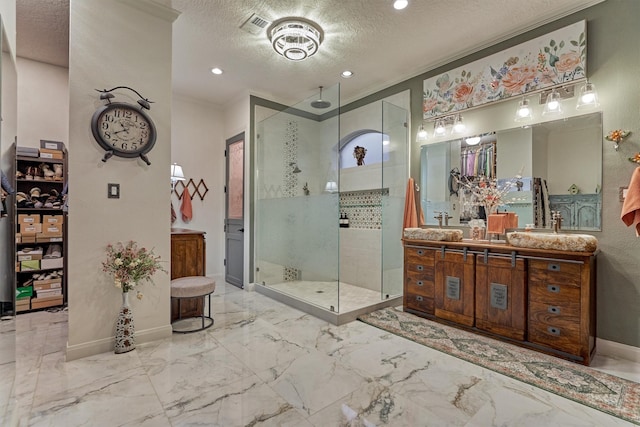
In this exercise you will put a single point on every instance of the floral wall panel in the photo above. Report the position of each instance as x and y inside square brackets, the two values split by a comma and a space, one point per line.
[553, 59]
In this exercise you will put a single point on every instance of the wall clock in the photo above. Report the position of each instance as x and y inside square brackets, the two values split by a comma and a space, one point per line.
[123, 129]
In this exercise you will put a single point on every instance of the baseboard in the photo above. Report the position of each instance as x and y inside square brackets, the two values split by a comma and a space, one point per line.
[618, 350]
[105, 345]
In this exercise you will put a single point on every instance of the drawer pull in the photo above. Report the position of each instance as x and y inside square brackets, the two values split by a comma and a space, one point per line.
[419, 299]
[553, 331]
[553, 267]
[553, 309]
[420, 283]
[420, 268]
[553, 288]
[420, 252]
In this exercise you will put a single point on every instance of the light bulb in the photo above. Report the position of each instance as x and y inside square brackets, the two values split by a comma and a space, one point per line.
[588, 97]
[473, 140]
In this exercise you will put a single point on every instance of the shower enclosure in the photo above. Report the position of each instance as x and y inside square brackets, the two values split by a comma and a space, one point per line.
[307, 178]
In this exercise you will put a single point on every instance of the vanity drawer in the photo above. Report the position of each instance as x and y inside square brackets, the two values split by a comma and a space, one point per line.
[547, 292]
[553, 313]
[563, 273]
[419, 303]
[419, 284]
[561, 334]
[419, 256]
[419, 272]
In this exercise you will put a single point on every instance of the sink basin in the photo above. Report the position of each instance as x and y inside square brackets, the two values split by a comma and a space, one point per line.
[438, 234]
[558, 242]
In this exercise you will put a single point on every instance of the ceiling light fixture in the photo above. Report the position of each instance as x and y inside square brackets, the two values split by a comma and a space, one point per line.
[588, 97]
[295, 38]
[217, 71]
[473, 140]
[523, 113]
[400, 4]
[347, 74]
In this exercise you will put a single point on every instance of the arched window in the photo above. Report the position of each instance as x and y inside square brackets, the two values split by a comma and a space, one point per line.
[372, 140]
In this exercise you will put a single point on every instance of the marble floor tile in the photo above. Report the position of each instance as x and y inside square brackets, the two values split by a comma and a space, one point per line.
[266, 364]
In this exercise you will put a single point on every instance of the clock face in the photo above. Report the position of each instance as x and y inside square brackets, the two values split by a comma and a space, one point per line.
[123, 128]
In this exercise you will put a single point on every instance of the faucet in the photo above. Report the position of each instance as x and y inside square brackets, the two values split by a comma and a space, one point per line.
[446, 217]
[438, 217]
[556, 221]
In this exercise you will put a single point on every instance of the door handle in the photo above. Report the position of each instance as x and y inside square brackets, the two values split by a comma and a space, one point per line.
[241, 230]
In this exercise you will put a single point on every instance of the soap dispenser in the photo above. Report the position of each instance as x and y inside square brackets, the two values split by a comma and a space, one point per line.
[346, 220]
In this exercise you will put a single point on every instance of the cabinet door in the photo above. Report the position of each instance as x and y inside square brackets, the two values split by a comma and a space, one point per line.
[454, 287]
[501, 296]
[187, 259]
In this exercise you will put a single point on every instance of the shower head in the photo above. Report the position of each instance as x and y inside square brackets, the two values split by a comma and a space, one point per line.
[320, 103]
[296, 169]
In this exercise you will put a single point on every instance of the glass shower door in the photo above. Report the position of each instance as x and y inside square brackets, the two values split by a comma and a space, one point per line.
[296, 234]
[394, 181]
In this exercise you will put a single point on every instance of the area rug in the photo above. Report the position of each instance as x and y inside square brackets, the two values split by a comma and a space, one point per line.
[598, 390]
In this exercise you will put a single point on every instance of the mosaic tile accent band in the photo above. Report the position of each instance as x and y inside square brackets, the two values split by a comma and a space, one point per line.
[290, 156]
[364, 208]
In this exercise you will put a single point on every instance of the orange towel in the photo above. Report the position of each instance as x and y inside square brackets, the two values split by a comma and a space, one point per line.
[410, 215]
[185, 208]
[631, 206]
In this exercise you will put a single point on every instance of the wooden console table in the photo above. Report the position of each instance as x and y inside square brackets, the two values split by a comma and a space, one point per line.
[188, 258]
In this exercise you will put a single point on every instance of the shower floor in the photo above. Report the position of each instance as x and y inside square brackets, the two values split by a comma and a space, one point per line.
[353, 300]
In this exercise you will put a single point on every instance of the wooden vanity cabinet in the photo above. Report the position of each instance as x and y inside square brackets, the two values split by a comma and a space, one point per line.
[541, 299]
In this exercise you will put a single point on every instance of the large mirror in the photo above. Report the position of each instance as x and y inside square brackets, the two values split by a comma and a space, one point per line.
[551, 166]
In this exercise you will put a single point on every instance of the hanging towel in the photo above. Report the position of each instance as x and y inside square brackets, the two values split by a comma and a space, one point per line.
[173, 214]
[410, 215]
[631, 206]
[185, 208]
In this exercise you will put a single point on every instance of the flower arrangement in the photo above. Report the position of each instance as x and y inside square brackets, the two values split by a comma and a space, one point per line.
[486, 191]
[617, 136]
[130, 265]
[635, 158]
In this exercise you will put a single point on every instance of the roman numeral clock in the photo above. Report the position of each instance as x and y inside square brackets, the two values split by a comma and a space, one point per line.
[123, 129]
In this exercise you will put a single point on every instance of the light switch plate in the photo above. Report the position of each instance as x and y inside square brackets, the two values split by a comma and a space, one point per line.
[113, 191]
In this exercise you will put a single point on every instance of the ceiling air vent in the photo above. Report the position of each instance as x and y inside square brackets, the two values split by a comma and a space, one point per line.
[255, 24]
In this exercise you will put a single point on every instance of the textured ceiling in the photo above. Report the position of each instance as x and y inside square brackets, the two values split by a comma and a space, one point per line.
[381, 45]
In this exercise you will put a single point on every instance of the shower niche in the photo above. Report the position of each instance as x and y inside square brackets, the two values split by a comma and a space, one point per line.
[307, 180]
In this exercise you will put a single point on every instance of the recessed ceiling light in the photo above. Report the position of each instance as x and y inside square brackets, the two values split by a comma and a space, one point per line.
[400, 4]
[217, 71]
[346, 74]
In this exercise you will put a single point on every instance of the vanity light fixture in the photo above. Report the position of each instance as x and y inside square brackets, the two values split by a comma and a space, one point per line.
[588, 97]
[553, 104]
[422, 134]
[439, 128]
[458, 126]
[400, 4]
[524, 112]
[295, 38]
